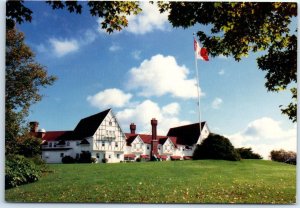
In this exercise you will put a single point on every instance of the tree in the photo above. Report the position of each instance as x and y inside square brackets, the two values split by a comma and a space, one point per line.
[237, 28]
[283, 156]
[24, 78]
[247, 153]
[216, 147]
[113, 13]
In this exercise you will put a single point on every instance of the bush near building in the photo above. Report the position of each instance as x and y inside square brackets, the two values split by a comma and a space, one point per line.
[247, 153]
[216, 147]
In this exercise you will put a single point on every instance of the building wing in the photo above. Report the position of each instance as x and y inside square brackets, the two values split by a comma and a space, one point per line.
[186, 135]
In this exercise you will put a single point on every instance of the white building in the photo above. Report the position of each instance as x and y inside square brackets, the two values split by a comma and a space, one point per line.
[101, 136]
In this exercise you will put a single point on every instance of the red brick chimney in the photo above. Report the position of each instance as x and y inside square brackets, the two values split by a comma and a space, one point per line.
[34, 125]
[154, 141]
[132, 128]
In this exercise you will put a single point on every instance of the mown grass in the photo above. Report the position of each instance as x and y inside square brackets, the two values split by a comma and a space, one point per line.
[206, 181]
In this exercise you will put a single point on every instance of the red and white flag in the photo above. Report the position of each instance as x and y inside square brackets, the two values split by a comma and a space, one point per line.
[201, 53]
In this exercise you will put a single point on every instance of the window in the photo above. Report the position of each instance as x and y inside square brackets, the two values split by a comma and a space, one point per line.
[97, 155]
[116, 145]
[103, 144]
[109, 156]
[110, 123]
[118, 156]
[68, 143]
[61, 154]
[50, 144]
[149, 147]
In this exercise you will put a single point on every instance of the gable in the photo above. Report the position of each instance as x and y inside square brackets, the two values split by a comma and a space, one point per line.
[188, 134]
[89, 125]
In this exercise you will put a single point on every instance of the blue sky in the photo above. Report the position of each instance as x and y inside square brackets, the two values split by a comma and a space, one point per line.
[147, 71]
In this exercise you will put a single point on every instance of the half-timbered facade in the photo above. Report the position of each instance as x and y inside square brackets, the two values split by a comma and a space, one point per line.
[101, 136]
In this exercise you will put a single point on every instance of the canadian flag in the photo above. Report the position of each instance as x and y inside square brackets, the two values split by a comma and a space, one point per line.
[200, 53]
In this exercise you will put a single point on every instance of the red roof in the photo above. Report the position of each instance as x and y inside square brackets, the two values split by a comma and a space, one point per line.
[162, 156]
[145, 156]
[55, 135]
[129, 155]
[147, 138]
[175, 157]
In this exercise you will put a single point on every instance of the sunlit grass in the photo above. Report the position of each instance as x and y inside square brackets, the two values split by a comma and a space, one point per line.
[207, 181]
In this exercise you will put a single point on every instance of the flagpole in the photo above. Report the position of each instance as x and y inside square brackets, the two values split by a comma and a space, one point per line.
[198, 89]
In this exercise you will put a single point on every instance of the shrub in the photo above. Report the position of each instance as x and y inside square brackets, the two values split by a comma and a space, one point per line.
[93, 160]
[85, 157]
[283, 156]
[67, 159]
[28, 145]
[247, 153]
[138, 159]
[20, 170]
[104, 160]
[216, 147]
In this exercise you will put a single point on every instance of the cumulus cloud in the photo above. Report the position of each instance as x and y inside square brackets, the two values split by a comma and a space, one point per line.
[63, 47]
[109, 98]
[148, 20]
[216, 103]
[171, 109]
[142, 113]
[162, 75]
[264, 135]
[114, 47]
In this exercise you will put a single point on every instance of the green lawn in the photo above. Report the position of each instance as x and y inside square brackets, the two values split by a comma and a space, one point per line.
[206, 181]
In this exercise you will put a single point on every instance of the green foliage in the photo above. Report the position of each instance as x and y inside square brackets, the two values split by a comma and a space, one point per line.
[193, 181]
[20, 170]
[247, 153]
[28, 145]
[238, 28]
[291, 109]
[24, 78]
[113, 13]
[283, 156]
[68, 159]
[216, 147]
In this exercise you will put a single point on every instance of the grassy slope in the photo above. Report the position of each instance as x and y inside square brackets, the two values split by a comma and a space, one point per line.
[208, 181]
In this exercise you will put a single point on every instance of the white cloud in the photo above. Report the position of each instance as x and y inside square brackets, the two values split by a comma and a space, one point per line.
[142, 113]
[114, 48]
[264, 135]
[216, 103]
[222, 57]
[171, 109]
[136, 54]
[63, 47]
[162, 75]
[221, 72]
[88, 37]
[148, 20]
[109, 98]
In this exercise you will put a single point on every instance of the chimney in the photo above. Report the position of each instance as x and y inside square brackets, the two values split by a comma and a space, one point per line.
[41, 133]
[154, 141]
[132, 128]
[34, 125]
